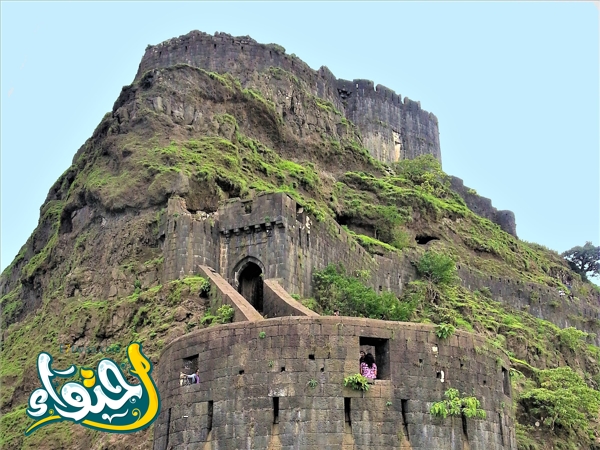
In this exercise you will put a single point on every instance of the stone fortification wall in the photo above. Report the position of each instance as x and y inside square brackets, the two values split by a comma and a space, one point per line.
[287, 244]
[190, 241]
[538, 300]
[222, 293]
[278, 383]
[483, 207]
[273, 232]
[392, 129]
[278, 303]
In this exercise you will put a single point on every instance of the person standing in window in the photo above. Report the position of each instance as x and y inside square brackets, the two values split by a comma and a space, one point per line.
[368, 368]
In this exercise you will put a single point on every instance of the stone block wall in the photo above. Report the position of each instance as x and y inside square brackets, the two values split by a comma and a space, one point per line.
[392, 129]
[279, 383]
[190, 240]
[278, 303]
[274, 233]
[291, 245]
[223, 294]
[483, 207]
[538, 300]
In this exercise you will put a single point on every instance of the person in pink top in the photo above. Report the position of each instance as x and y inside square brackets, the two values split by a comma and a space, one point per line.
[368, 368]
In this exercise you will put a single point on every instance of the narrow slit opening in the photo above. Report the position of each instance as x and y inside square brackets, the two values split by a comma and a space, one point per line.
[403, 406]
[275, 410]
[209, 419]
[347, 410]
[168, 427]
[464, 427]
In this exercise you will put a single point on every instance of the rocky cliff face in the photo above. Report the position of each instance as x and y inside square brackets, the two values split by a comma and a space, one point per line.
[392, 128]
[210, 127]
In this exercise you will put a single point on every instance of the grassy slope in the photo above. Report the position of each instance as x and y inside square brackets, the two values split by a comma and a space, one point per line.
[235, 159]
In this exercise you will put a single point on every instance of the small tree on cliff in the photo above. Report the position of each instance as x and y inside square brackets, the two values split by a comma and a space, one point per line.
[584, 260]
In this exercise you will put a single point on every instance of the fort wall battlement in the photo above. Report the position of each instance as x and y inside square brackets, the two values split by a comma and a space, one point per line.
[279, 384]
[392, 128]
[482, 206]
[273, 232]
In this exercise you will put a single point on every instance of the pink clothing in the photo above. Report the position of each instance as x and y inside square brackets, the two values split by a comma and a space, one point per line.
[369, 372]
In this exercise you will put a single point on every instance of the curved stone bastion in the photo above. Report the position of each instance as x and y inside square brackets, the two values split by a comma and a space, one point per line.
[279, 384]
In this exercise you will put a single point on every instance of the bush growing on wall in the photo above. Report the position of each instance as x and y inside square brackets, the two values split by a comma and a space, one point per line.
[454, 405]
[334, 289]
[437, 268]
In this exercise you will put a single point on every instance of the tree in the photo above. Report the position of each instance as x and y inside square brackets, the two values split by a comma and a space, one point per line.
[584, 260]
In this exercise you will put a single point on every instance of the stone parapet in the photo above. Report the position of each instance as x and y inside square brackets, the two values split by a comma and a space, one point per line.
[280, 382]
[225, 294]
[278, 303]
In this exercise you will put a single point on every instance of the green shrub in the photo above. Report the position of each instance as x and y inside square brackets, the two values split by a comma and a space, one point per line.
[336, 290]
[438, 268]
[225, 314]
[311, 304]
[444, 330]
[424, 170]
[572, 338]
[454, 405]
[562, 398]
[357, 382]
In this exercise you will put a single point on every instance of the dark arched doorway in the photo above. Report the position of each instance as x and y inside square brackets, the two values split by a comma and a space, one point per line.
[251, 285]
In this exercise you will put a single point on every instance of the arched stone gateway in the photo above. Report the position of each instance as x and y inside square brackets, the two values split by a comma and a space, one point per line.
[248, 275]
[251, 286]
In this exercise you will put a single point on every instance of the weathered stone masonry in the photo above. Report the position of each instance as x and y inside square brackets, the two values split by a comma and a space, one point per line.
[256, 392]
[392, 128]
[272, 232]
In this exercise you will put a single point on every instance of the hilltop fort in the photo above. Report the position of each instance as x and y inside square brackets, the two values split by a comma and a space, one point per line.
[230, 202]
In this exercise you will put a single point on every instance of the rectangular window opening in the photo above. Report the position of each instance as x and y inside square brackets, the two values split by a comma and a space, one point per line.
[347, 410]
[311, 356]
[275, 410]
[209, 420]
[283, 369]
[380, 349]
[404, 405]
[190, 364]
